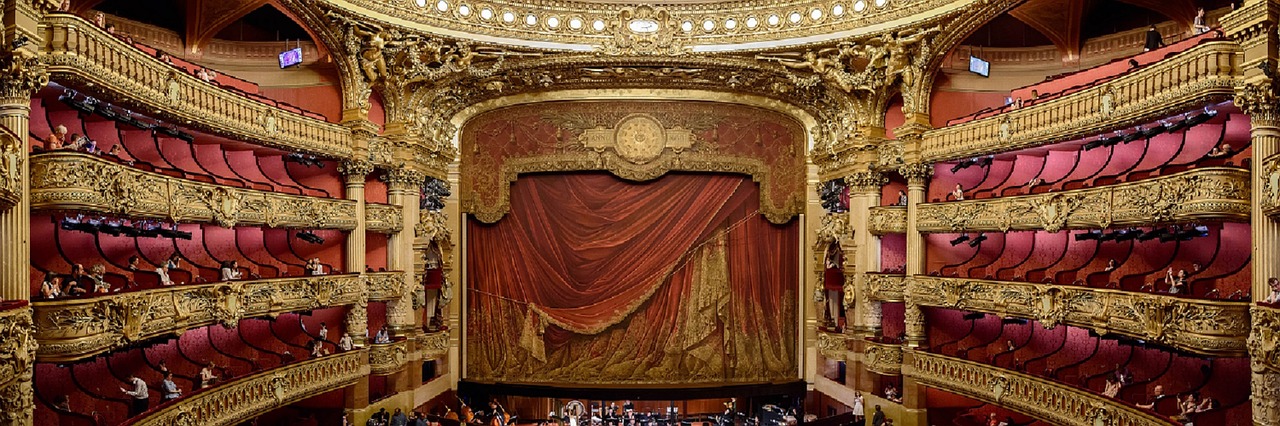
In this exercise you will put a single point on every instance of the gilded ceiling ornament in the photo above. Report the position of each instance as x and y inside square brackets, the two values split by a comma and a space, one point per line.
[1259, 100]
[643, 30]
[916, 173]
[21, 75]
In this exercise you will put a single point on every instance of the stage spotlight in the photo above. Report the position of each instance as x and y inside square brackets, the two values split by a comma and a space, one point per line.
[310, 237]
[1090, 235]
[962, 238]
[974, 316]
[1011, 320]
[978, 240]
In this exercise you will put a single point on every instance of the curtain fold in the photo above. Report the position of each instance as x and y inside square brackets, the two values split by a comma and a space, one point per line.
[596, 279]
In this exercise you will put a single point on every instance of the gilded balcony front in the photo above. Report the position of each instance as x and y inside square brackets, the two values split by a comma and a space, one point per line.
[1206, 193]
[887, 220]
[882, 358]
[387, 358]
[833, 345]
[81, 55]
[1043, 399]
[250, 396]
[433, 344]
[73, 329]
[385, 285]
[1207, 327]
[82, 182]
[1186, 81]
[384, 218]
[886, 287]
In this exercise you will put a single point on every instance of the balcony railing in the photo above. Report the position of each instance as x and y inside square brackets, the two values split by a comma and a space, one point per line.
[886, 287]
[888, 220]
[388, 358]
[72, 329]
[385, 285]
[1043, 399]
[1180, 83]
[433, 344]
[81, 54]
[1207, 193]
[83, 182]
[882, 358]
[832, 345]
[1208, 327]
[250, 396]
[384, 218]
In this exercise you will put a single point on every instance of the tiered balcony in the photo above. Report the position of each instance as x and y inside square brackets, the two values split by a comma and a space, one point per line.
[888, 220]
[389, 358]
[384, 218]
[1183, 82]
[385, 285]
[1208, 327]
[74, 329]
[882, 357]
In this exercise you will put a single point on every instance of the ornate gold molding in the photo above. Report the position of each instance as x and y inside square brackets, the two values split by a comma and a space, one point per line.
[12, 161]
[1040, 398]
[434, 226]
[882, 358]
[80, 54]
[389, 358]
[886, 287]
[833, 345]
[385, 285]
[1180, 83]
[17, 356]
[74, 329]
[1264, 343]
[383, 218]
[433, 345]
[1270, 201]
[1208, 327]
[887, 220]
[1206, 193]
[83, 182]
[246, 397]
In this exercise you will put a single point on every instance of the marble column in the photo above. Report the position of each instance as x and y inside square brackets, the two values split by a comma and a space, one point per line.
[354, 174]
[917, 180]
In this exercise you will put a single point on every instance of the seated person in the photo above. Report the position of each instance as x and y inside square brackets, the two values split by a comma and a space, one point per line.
[230, 270]
[164, 269]
[57, 139]
[1220, 151]
[1157, 394]
[1111, 266]
[1274, 297]
[958, 193]
[51, 288]
[207, 378]
[314, 267]
[383, 336]
[207, 75]
[1112, 389]
[98, 276]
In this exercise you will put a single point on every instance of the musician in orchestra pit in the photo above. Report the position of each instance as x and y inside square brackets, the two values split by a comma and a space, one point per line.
[496, 412]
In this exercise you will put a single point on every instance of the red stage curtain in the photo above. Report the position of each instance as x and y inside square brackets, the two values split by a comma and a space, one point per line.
[592, 278]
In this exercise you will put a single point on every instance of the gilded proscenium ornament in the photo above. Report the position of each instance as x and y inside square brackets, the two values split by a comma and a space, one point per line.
[1205, 193]
[383, 218]
[83, 56]
[83, 182]
[1201, 326]
[356, 171]
[21, 75]
[886, 287]
[916, 173]
[868, 181]
[385, 285]
[403, 178]
[882, 358]
[244, 398]
[1043, 399]
[75, 329]
[1271, 186]
[887, 220]
[434, 226]
[1183, 82]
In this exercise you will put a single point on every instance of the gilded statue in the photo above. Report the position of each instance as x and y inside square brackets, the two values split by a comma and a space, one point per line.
[894, 54]
[373, 42]
[829, 67]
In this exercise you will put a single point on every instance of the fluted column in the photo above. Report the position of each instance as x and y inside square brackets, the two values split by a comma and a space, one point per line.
[20, 77]
[864, 193]
[917, 179]
[403, 189]
[354, 174]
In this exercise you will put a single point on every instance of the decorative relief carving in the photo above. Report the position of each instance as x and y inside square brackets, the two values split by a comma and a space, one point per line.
[388, 358]
[384, 218]
[139, 81]
[832, 345]
[1264, 342]
[78, 328]
[403, 179]
[13, 161]
[866, 181]
[886, 287]
[76, 181]
[1206, 193]
[834, 228]
[250, 396]
[1209, 327]
[882, 358]
[434, 226]
[358, 169]
[433, 345]
[887, 220]
[385, 285]
[17, 348]
[1043, 399]
[638, 138]
[1271, 186]
[916, 173]
[1183, 82]
[21, 75]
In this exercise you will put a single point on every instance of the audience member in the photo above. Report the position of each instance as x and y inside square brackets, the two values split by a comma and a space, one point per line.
[902, 198]
[164, 269]
[98, 276]
[859, 411]
[1111, 266]
[1274, 297]
[383, 336]
[1112, 389]
[318, 349]
[1224, 150]
[62, 402]
[100, 19]
[230, 270]
[1198, 25]
[323, 334]
[1154, 40]
[399, 419]
[1157, 394]
[958, 193]
[207, 378]
[111, 29]
[56, 139]
[877, 418]
[345, 343]
[207, 75]
[51, 288]
[169, 390]
[314, 267]
[141, 398]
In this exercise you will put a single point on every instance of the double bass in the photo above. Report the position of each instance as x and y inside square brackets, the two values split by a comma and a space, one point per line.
[467, 415]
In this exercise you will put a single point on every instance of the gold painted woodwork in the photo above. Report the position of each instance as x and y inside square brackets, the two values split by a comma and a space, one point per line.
[79, 54]
[250, 396]
[17, 356]
[887, 220]
[1271, 186]
[882, 358]
[1199, 194]
[12, 161]
[433, 345]
[1040, 398]
[383, 218]
[1188, 80]
[1264, 344]
[385, 285]
[75, 181]
[669, 38]
[886, 287]
[1200, 326]
[387, 358]
[833, 345]
[74, 329]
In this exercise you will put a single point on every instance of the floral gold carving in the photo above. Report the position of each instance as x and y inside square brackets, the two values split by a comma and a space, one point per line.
[883, 220]
[385, 285]
[886, 287]
[1209, 327]
[384, 218]
[13, 161]
[389, 357]
[1217, 193]
[882, 358]
[832, 345]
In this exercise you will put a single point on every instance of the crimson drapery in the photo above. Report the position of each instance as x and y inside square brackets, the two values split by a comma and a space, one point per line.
[592, 278]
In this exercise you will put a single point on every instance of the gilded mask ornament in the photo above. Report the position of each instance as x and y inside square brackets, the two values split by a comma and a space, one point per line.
[225, 205]
[278, 386]
[639, 139]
